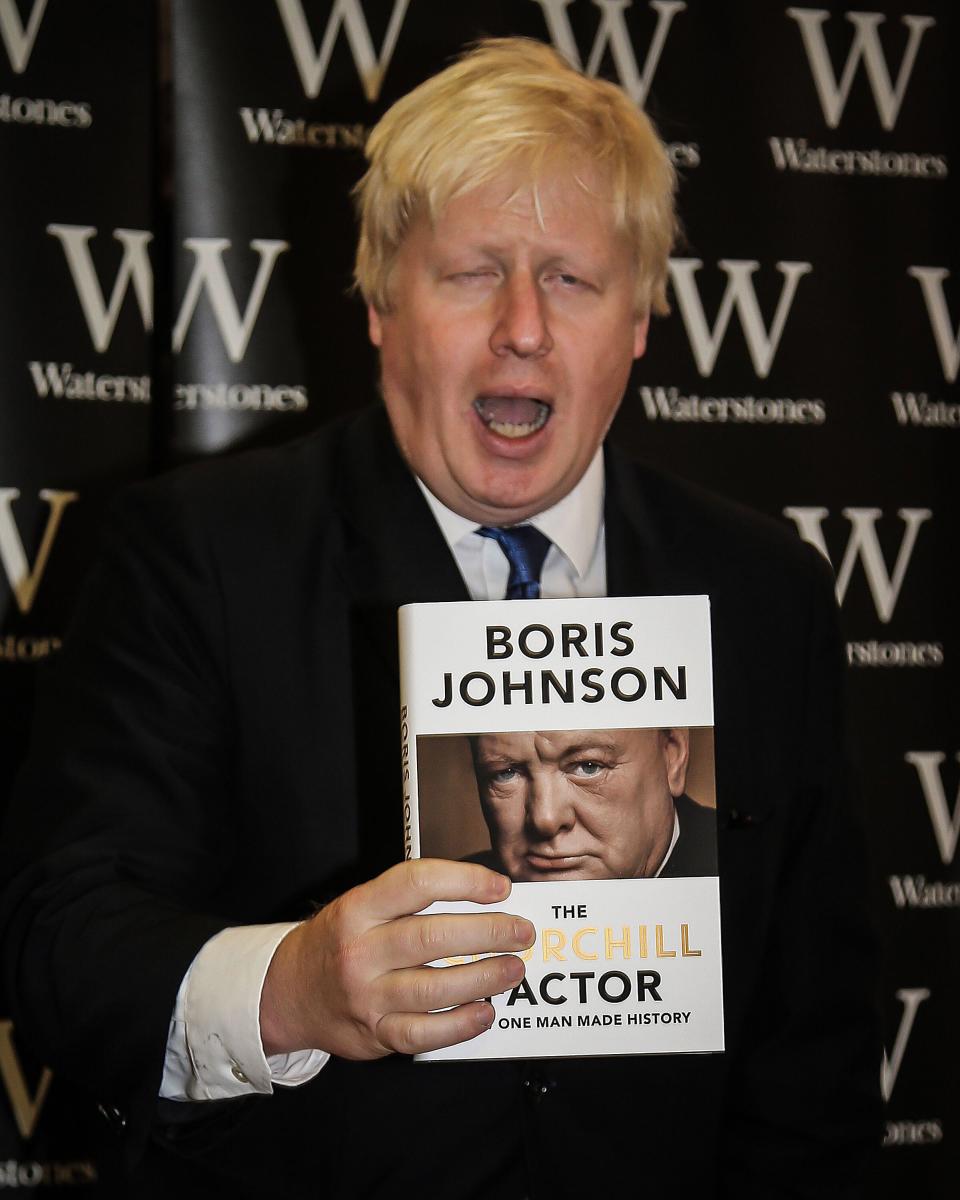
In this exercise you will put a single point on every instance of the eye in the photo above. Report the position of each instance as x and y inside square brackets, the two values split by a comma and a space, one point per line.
[480, 275]
[587, 769]
[567, 281]
[504, 775]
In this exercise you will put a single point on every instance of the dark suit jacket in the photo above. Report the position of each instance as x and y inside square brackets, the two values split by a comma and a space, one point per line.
[215, 745]
[695, 849]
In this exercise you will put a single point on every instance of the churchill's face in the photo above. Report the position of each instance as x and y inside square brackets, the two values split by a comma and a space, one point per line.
[581, 804]
[508, 343]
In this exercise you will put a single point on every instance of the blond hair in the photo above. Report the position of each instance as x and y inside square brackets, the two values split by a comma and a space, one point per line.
[512, 103]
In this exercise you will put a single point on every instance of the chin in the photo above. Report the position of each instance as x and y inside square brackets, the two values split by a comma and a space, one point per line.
[514, 500]
[523, 874]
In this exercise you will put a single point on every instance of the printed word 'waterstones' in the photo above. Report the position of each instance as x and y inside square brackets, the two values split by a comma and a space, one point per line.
[669, 404]
[272, 127]
[33, 1174]
[894, 654]
[63, 114]
[27, 647]
[913, 1133]
[241, 397]
[794, 154]
[914, 891]
[63, 382]
[916, 408]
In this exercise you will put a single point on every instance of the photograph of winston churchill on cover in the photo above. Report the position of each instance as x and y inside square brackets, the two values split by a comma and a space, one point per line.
[556, 805]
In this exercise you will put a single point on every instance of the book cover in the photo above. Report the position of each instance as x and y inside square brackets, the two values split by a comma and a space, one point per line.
[569, 744]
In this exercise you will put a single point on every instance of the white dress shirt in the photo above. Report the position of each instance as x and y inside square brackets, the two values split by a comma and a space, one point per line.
[214, 1050]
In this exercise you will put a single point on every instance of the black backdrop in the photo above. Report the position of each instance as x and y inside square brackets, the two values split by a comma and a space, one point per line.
[176, 238]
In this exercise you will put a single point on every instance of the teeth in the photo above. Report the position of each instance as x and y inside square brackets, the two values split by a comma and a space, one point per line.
[512, 429]
[516, 431]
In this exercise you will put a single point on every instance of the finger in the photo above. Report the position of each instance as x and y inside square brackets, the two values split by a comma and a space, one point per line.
[424, 989]
[411, 941]
[411, 886]
[415, 1033]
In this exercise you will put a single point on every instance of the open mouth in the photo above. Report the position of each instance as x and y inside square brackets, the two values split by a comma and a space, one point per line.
[512, 416]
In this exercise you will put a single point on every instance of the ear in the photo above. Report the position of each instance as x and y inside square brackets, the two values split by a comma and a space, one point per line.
[374, 326]
[640, 327]
[675, 747]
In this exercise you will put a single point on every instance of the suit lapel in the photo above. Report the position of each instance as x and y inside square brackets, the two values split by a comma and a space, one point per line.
[391, 553]
[394, 552]
[635, 561]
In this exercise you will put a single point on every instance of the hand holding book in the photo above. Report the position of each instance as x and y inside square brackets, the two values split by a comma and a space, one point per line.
[352, 979]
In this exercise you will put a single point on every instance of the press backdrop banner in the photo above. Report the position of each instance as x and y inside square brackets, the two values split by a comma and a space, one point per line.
[77, 99]
[179, 287]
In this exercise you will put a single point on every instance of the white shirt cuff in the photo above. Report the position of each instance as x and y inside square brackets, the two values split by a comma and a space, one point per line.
[214, 1049]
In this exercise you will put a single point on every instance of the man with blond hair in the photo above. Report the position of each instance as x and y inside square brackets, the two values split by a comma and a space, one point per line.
[216, 759]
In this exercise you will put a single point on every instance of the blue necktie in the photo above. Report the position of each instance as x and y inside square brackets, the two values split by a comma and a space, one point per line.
[525, 548]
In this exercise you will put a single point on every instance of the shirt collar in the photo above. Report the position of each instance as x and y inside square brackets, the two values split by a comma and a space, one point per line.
[573, 524]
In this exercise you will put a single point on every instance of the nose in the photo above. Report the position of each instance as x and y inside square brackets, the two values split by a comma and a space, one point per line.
[549, 807]
[521, 327]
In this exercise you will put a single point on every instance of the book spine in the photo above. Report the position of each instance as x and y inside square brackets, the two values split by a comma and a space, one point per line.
[408, 741]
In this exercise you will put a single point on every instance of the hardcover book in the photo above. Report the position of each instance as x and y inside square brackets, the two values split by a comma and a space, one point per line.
[569, 745]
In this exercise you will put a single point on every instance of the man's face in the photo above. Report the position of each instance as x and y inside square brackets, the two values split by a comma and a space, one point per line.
[581, 804]
[508, 344]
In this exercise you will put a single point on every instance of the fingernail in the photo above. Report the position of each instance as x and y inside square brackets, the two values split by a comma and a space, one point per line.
[515, 969]
[485, 1015]
[505, 885]
[524, 931]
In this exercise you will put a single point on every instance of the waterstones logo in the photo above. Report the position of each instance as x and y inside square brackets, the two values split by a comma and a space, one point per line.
[613, 37]
[346, 15]
[906, 1132]
[894, 654]
[64, 382]
[931, 280]
[25, 1105]
[919, 408]
[909, 1132]
[312, 58]
[863, 546]
[23, 577]
[913, 1133]
[272, 127]
[135, 269]
[946, 824]
[833, 92]
[27, 647]
[739, 296]
[911, 999]
[915, 891]
[78, 1173]
[208, 278]
[65, 114]
[916, 408]
[866, 48]
[240, 397]
[796, 154]
[26, 1100]
[18, 37]
[668, 404]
